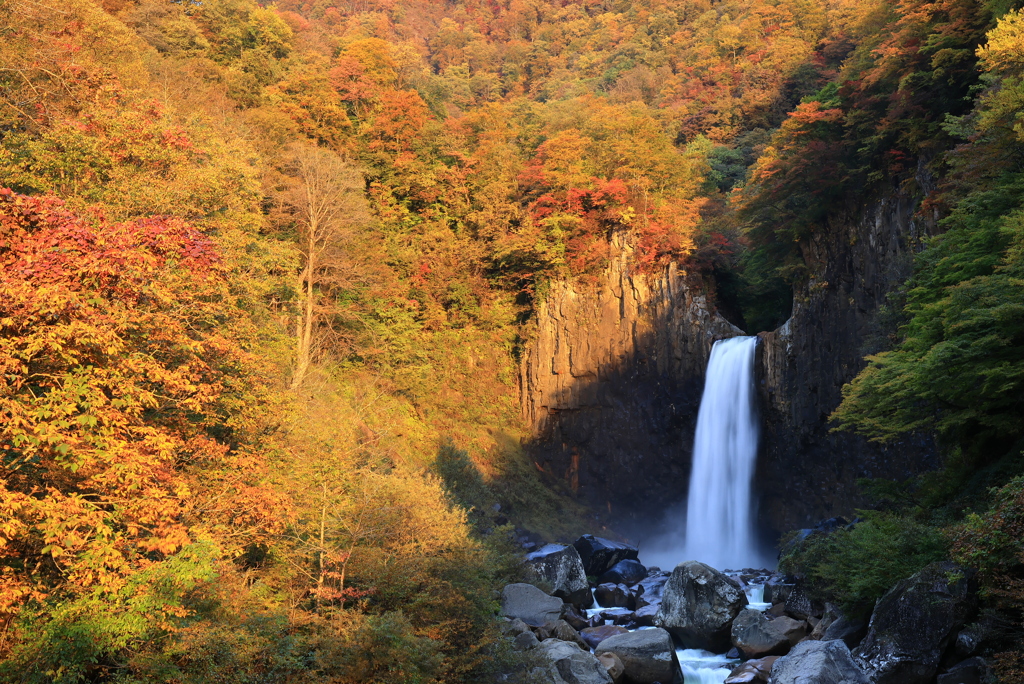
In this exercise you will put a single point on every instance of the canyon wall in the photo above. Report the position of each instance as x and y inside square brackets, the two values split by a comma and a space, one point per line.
[805, 471]
[611, 381]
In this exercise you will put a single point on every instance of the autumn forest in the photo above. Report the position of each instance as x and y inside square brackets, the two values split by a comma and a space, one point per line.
[267, 272]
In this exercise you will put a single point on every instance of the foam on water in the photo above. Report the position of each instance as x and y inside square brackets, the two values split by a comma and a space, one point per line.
[702, 667]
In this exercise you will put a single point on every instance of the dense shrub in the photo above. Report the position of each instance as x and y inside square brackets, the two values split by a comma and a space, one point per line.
[854, 567]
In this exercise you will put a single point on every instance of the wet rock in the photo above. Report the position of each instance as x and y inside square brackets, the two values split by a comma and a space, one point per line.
[595, 635]
[530, 604]
[614, 596]
[628, 572]
[913, 623]
[647, 655]
[599, 555]
[698, 606]
[575, 617]
[648, 592]
[971, 671]
[646, 616]
[619, 616]
[777, 610]
[561, 567]
[817, 662]
[755, 635]
[614, 666]
[752, 671]
[570, 664]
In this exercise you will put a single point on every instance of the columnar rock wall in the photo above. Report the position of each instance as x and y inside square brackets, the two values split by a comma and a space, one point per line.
[806, 472]
[611, 382]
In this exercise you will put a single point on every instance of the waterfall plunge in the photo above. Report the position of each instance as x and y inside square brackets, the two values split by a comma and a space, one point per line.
[719, 517]
[719, 524]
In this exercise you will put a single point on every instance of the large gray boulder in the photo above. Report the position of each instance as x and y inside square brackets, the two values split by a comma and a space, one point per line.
[530, 604]
[817, 662]
[754, 635]
[562, 568]
[570, 664]
[913, 624]
[600, 555]
[698, 606]
[647, 655]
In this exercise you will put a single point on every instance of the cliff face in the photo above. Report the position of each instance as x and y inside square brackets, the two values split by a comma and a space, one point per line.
[611, 383]
[806, 472]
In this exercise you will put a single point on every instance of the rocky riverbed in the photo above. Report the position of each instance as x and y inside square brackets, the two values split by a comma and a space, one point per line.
[594, 614]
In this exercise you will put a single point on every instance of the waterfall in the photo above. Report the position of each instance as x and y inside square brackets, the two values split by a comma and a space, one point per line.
[719, 523]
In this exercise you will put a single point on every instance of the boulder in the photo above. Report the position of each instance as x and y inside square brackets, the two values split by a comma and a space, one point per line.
[752, 671]
[614, 666]
[619, 616]
[850, 630]
[648, 592]
[613, 596]
[599, 555]
[698, 606]
[648, 655]
[595, 635]
[777, 591]
[646, 616]
[754, 635]
[575, 617]
[628, 572]
[570, 664]
[530, 604]
[800, 606]
[525, 641]
[561, 567]
[514, 626]
[913, 623]
[817, 662]
[560, 629]
[971, 671]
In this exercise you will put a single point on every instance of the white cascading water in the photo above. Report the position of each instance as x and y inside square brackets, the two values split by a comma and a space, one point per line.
[719, 524]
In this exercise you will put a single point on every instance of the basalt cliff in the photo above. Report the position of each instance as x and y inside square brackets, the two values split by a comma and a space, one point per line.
[612, 378]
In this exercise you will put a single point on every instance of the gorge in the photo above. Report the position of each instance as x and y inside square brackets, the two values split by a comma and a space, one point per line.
[611, 383]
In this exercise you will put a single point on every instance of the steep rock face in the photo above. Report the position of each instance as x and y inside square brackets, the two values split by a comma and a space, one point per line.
[612, 380]
[805, 472]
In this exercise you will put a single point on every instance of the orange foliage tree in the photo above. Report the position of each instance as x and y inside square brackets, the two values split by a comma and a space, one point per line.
[126, 409]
